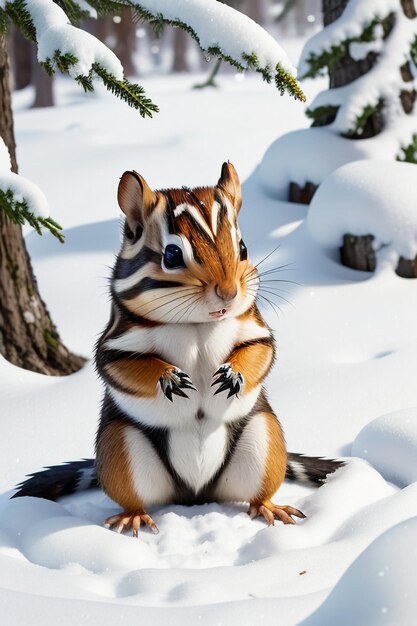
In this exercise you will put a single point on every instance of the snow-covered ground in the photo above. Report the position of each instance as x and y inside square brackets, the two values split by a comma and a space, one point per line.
[347, 356]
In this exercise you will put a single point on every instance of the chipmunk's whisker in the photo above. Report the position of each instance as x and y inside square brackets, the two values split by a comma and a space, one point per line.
[184, 295]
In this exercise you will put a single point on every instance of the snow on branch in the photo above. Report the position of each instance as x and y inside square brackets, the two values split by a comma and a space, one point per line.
[356, 24]
[379, 87]
[228, 34]
[22, 200]
[70, 50]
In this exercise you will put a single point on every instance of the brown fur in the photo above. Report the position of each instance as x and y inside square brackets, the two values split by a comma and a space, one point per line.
[253, 362]
[137, 376]
[113, 467]
[276, 461]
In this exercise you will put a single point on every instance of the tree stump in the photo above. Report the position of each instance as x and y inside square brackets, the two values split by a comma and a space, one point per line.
[357, 253]
[407, 268]
[302, 195]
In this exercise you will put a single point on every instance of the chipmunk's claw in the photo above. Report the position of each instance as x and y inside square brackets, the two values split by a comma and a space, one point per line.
[126, 520]
[228, 380]
[173, 381]
[270, 512]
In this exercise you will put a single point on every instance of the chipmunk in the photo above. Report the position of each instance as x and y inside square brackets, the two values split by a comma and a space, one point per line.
[185, 417]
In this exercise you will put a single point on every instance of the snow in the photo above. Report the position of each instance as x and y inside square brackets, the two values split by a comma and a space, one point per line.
[217, 24]
[388, 597]
[350, 25]
[347, 355]
[359, 50]
[389, 442]
[54, 32]
[22, 188]
[292, 157]
[368, 197]
[383, 82]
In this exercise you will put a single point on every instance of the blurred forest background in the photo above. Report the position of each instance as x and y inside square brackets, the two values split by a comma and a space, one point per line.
[143, 52]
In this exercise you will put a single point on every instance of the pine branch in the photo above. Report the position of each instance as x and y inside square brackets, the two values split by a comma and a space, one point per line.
[131, 93]
[108, 7]
[362, 119]
[19, 14]
[409, 153]
[74, 12]
[284, 81]
[318, 64]
[322, 116]
[18, 212]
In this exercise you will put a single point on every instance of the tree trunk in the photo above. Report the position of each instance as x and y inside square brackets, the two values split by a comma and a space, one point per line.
[180, 63]
[44, 96]
[347, 69]
[125, 46]
[21, 49]
[255, 9]
[28, 337]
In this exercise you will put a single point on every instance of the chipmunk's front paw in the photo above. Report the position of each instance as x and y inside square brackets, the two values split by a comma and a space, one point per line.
[228, 380]
[173, 381]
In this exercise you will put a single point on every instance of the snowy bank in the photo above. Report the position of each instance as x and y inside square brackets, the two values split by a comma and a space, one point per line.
[379, 587]
[389, 443]
[311, 154]
[368, 197]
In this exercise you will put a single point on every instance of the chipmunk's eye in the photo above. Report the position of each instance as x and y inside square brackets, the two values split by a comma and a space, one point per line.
[173, 256]
[243, 250]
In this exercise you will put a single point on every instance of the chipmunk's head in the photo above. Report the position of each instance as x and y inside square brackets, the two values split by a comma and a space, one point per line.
[182, 258]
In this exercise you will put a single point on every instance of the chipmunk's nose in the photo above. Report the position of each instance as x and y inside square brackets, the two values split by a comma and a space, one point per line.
[226, 293]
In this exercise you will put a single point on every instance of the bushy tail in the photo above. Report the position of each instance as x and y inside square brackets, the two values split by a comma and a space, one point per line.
[63, 480]
[310, 469]
[60, 480]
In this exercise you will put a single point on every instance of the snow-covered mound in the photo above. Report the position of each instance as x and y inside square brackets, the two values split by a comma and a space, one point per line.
[306, 155]
[369, 197]
[389, 443]
[311, 154]
[379, 587]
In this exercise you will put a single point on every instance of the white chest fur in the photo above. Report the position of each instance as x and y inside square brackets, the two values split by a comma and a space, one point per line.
[197, 441]
[198, 350]
[197, 452]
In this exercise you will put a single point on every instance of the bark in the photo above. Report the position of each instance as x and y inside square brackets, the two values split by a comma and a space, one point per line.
[125, 46]
[22, 59]
[409, 8]
[357, 253]
[28, 337]
[302, 195]
[255, 9]
[44, 96]
[407, 268]
[180, 62]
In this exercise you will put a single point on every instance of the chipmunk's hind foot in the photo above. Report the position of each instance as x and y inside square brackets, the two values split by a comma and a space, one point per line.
[270, 512]
[128, 520]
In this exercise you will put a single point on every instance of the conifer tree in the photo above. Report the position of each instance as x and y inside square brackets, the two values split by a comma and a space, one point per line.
[28, 337]
[369, 49]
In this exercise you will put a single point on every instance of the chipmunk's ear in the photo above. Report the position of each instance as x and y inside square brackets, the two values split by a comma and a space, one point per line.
[230, 183]
[136, 199]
